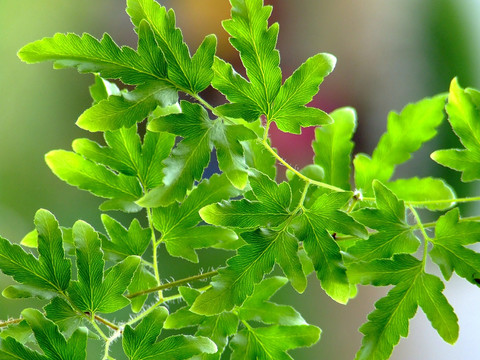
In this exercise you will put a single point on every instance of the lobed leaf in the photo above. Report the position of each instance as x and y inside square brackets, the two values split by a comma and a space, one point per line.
[463, 115]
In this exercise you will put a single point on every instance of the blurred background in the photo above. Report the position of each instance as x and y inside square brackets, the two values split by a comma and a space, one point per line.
[389, 53]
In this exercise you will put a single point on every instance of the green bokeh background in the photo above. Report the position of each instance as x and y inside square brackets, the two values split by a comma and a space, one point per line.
[389, 53]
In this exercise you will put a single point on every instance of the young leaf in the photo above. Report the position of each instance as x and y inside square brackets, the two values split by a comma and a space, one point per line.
[394, 234]
[289, 111]
[51, 272]
[406, 132]
[273, 342]
[93, 292]
[319, 245]
[190, 74]
[424, 190]
[333, 147]
[140, 343]
[270, 209]
[86, 175]
[463, 115]
[449, 250]
[177, 223]
[102, 89]
[390, 320]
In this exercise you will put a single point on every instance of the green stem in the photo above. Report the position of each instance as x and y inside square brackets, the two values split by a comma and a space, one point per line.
[417, 203]
[100, 331]
[296, 172]
[155, 244]
[106, 322]
[424, 233]
[174, 284]
[10, 322]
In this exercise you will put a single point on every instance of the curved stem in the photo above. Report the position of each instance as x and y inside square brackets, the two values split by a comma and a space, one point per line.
[296, 172]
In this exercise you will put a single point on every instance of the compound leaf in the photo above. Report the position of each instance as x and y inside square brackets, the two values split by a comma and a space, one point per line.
[463, 115]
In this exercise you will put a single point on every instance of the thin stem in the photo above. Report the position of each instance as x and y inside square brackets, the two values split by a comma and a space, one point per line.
[145, 313]
[100, 331]
[106, 322]
[296, 172]
[10, 322]
[154, 250]
[417, 203]
[424, 233]
[174, 284]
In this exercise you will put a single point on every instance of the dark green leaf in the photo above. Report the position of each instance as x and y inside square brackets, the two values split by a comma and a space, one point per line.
[93, 292]
[51, 272]
[273, 342]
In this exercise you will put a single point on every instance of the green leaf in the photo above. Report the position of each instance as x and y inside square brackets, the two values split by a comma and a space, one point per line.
[93, 292]
[258, 308]
[406, 132]
[86, 175]
[51, 272]
[192, 154]
[237, 90]
[270, 209]
[463, 115]
[190, 74]
[11, 349]
[230, 153]
[236, 282]
[102, 89]
[272, 342]
[62, 314]
[256, 42]
[21, 332]
[142, 279]
[390, 320]
[323, 215]
[140, 343]
[89, 55]
[177, 223]
[333, 147]
[449, 252]
[188, 159]
[128, 108]
[123, 242]
[289, 111]
[389, 218]
[52, 342]
[426, 190]
[218, 329]
[126, 154]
